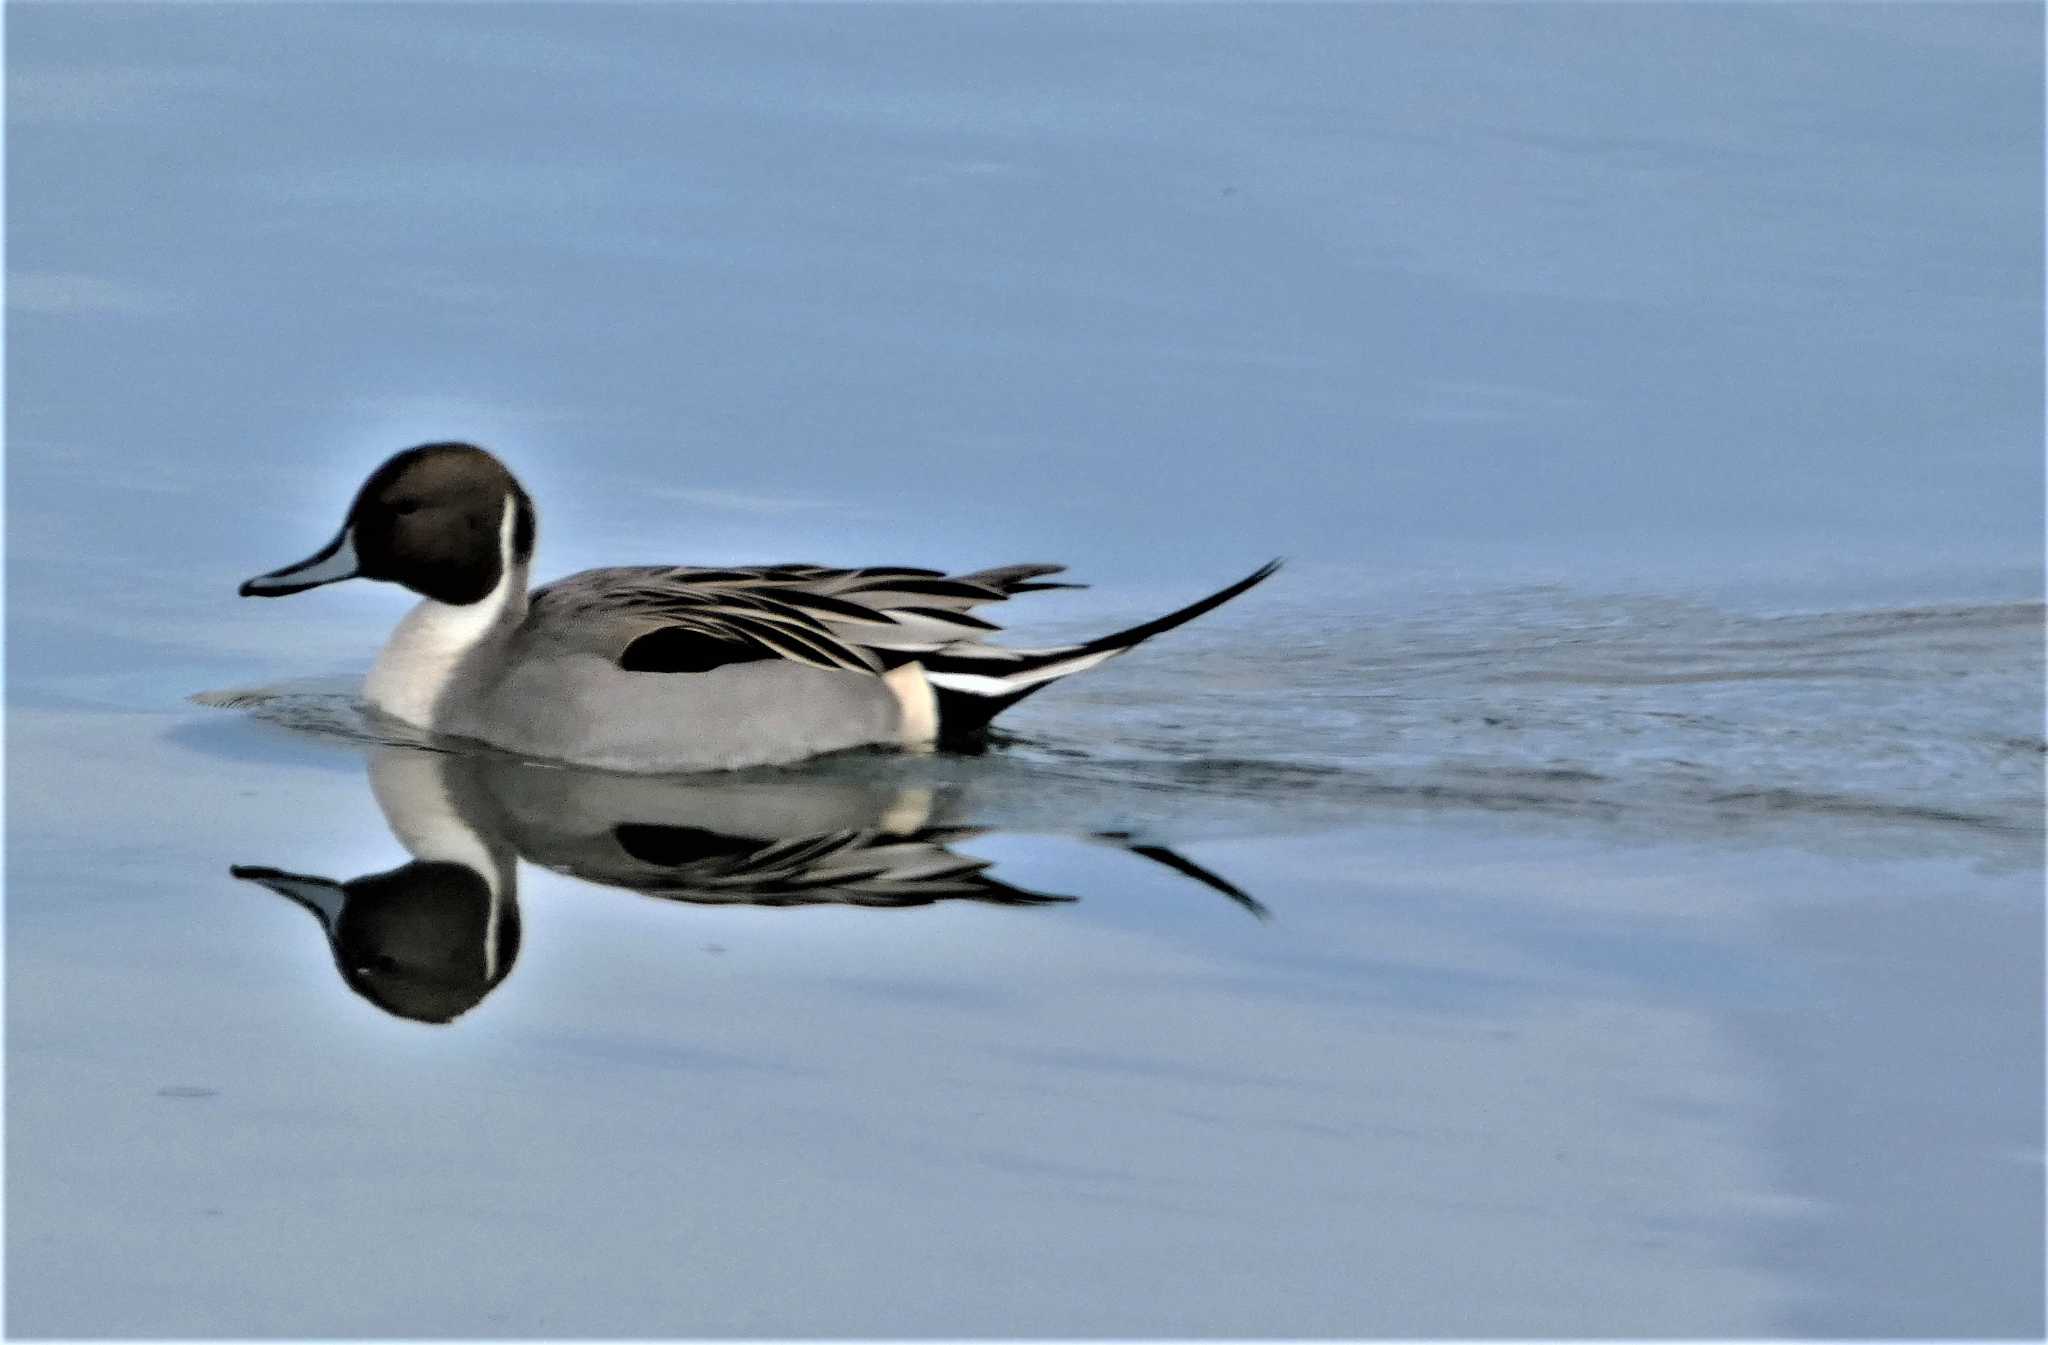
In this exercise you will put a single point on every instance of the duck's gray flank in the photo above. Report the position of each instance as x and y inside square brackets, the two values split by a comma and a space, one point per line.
[673, 667]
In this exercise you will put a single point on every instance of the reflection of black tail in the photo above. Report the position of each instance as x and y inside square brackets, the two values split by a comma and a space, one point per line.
[976, 683]
[1181, 864]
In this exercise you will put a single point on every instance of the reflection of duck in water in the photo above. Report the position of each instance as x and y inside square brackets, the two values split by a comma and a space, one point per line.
[429, 939]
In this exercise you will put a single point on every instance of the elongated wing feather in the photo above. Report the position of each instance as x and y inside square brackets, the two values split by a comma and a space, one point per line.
[691, 619]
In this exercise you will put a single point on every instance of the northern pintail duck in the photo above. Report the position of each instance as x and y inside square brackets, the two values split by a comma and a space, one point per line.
[666, 668]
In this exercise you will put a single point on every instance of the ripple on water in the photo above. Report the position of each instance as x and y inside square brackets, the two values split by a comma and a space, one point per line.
[1829, 728]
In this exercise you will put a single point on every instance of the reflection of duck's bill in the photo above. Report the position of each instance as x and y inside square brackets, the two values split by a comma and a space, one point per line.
[321, 896]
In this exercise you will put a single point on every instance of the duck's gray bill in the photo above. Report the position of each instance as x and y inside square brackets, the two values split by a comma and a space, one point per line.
[333, 562]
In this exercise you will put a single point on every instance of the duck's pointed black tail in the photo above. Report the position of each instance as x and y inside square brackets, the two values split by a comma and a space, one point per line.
[974, 684]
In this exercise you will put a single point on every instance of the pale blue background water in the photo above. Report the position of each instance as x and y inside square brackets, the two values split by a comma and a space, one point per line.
[1641, 755]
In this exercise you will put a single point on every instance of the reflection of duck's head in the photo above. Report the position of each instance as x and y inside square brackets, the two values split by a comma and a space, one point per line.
[425, 941]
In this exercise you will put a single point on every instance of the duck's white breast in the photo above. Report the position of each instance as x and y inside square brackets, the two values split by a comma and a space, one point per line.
[430, 644]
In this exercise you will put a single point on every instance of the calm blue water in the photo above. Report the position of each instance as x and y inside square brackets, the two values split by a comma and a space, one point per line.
[1594, 889]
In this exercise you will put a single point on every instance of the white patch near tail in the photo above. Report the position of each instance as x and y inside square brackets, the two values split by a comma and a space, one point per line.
[910, 810]
[983, 684]
[919, 705]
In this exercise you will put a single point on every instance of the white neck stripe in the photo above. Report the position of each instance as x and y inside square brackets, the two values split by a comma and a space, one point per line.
[428, 647]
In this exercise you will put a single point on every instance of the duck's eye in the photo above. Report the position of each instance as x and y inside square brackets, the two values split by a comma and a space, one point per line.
[405, 506]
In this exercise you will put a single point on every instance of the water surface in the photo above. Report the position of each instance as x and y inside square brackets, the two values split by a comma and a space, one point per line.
[1595, 889]
[1595, 987]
